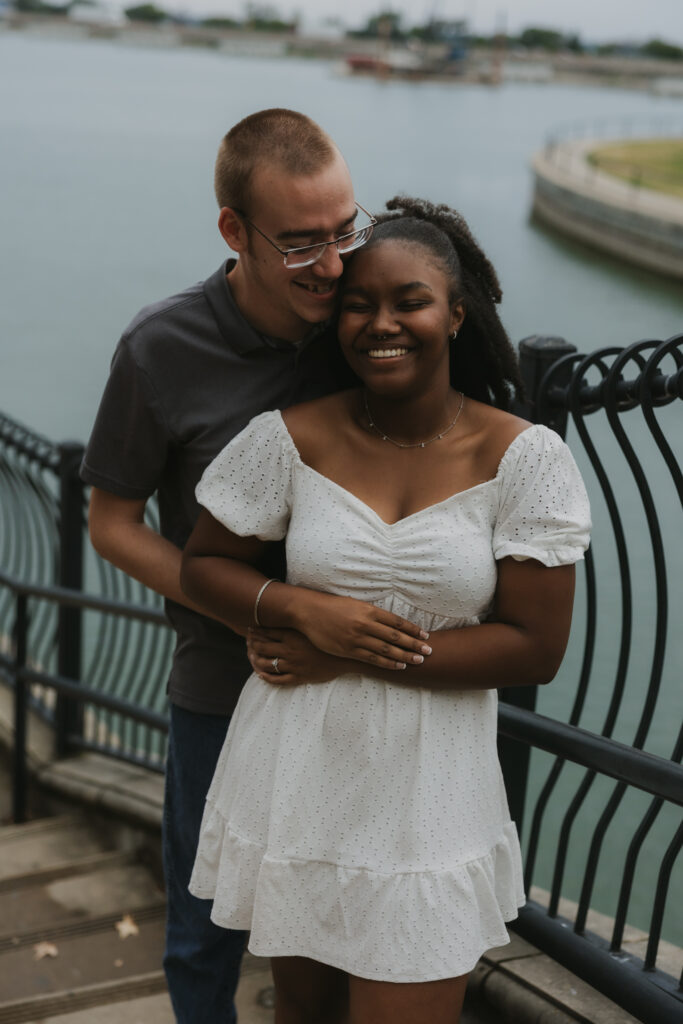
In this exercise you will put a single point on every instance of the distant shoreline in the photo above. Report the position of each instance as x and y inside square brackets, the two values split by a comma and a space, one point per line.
[481, 65]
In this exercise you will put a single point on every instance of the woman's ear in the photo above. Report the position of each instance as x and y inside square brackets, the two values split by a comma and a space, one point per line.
[233, 229]
[457, 315]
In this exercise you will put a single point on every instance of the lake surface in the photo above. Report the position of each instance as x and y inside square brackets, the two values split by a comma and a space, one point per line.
[106, 204]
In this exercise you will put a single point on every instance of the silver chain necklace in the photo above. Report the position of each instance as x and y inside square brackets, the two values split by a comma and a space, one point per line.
[412, 444]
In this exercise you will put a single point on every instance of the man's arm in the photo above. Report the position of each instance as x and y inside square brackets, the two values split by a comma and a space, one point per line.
[119, 533]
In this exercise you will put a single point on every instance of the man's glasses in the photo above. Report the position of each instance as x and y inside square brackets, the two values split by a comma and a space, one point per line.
[305, 255]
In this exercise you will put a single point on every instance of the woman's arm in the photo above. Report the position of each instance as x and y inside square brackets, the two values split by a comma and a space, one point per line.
[523, 645]
[220, 572]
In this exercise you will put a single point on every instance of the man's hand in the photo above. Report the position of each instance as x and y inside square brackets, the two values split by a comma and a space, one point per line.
[298, 661]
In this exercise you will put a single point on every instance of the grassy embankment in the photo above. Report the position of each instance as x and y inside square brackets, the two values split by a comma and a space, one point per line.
[651, 163]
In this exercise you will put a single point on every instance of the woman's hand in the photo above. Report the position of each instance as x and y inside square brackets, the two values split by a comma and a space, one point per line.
[348, 628]
[298, 661]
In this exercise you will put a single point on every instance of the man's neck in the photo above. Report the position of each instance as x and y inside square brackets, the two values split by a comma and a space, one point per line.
[260, 318]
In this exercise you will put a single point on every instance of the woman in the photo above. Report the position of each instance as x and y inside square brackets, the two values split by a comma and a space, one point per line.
[357, 823]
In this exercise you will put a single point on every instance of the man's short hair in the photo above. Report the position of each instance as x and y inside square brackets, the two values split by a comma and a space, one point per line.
[277, 136]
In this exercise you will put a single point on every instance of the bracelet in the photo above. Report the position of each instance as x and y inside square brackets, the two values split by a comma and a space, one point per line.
[258, 598]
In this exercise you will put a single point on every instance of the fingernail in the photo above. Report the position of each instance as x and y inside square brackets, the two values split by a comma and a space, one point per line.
[401, 664]
[424, 635]
[417, 659]
[426, 650]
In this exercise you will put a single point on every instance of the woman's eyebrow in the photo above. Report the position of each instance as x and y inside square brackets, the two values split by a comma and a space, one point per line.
[358, 289]
[413, 284]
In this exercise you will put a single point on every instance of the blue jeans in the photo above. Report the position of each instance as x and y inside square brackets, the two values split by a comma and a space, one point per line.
[202, 961]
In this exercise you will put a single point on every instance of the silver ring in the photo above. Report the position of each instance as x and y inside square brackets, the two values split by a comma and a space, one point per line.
[274, 663]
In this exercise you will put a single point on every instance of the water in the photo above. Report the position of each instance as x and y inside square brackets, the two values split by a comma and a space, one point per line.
[106, 203]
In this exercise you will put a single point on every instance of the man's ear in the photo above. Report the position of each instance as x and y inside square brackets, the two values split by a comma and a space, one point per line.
[233, 229]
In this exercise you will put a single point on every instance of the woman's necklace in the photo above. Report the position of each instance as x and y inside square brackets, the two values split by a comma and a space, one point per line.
[412, 444]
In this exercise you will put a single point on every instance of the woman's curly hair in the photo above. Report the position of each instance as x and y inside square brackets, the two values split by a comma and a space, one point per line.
[483, 361]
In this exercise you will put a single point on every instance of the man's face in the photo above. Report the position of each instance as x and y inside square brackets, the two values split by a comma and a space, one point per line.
[294, 211]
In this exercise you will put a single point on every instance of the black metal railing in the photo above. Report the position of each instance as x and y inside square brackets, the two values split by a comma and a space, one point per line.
[592, 763]
[114, 655]
[621, 684]
[87, 698]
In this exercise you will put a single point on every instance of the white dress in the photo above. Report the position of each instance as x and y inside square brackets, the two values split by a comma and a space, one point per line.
[361, 823]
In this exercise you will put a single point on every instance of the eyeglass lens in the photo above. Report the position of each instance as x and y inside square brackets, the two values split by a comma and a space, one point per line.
[311, 253]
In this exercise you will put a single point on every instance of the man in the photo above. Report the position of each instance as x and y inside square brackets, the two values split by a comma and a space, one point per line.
[188, 374]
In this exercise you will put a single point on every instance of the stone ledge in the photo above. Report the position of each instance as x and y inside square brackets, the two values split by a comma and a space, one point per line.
[135, 793]
[524, 986]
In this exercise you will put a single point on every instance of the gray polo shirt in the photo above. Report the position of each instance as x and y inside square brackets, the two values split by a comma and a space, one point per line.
[188, 374]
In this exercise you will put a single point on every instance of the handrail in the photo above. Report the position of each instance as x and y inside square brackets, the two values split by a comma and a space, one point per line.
[650, 773]
[70, 598]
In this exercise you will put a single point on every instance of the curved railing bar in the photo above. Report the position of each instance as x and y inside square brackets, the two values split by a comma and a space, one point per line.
[633, 854]
[588, 650]
[633, 352]
[20, 513]
[663, 880]
[559, 762]
[40, 517]
[596, 360]
[672, 347]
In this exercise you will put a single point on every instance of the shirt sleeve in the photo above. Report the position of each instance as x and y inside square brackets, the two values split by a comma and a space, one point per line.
[130, 440]
[248, 486]
[544, 511]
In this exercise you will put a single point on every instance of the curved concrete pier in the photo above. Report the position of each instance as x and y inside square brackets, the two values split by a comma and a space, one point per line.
[635, 224]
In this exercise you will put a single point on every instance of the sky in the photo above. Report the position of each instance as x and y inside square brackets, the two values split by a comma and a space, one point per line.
[593, 20]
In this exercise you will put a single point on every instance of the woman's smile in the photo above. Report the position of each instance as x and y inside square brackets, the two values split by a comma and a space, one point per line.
[396, 352]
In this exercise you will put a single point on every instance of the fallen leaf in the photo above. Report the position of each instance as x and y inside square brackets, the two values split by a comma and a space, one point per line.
[43, 949]
[126, 926]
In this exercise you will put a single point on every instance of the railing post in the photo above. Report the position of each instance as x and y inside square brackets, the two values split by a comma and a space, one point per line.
[19, 773]
[537, 353]
[69, 714]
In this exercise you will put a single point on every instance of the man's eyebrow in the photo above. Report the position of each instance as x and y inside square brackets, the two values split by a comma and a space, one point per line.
[306, 232]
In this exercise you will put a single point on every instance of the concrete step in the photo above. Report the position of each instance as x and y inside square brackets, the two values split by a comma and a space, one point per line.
[253, 1003]
[85, 1003]
[92, 966]
[51, 847]
[58, 906]
[63, 884]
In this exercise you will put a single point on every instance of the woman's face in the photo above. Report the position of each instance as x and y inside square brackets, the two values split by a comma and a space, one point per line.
[396, 319]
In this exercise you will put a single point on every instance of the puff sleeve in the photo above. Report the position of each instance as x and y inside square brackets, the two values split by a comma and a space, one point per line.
[543, 510]
[248, 486]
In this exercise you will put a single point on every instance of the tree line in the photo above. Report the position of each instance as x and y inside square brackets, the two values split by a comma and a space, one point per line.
[384, 24]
